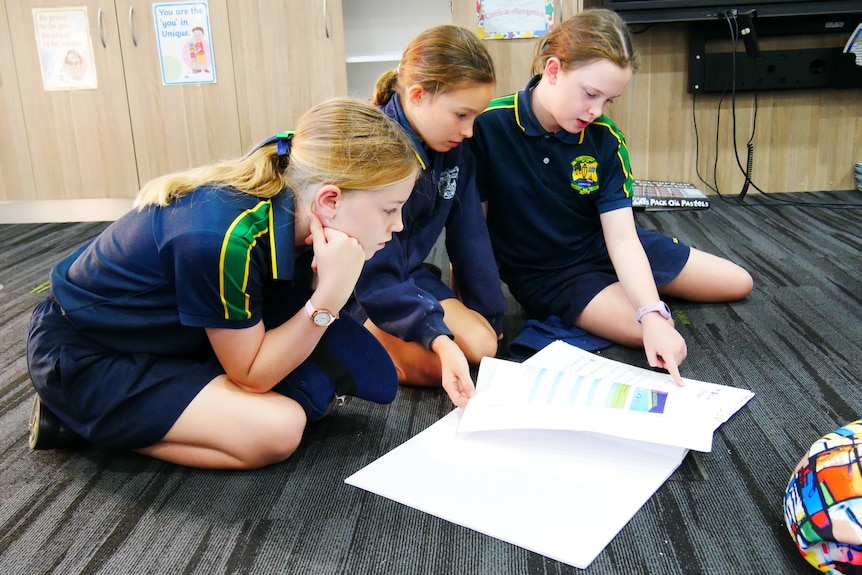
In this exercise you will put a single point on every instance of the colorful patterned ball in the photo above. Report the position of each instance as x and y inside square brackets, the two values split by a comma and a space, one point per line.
[823, 502]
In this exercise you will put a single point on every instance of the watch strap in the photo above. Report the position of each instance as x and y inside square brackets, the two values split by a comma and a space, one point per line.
[658, 306]
[313, 311]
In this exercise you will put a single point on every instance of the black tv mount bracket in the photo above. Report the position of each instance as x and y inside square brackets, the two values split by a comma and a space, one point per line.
[758, 69]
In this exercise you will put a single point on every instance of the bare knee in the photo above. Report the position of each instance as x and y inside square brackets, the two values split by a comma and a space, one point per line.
[273, 440]
[473, 334]
[427, 372]
[480, 345]
[415, 364]
[709, 278]
[423, 368]
[732, 287]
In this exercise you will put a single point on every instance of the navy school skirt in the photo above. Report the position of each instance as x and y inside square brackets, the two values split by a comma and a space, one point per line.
[116, 401]
[124, 401]
[566, 292]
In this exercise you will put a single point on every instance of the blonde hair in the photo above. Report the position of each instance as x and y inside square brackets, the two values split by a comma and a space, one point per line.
[440, 59]
[343, 141]
[595, 34]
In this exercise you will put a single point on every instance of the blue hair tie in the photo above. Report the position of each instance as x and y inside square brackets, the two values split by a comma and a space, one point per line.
[281, 141]
[281, 147]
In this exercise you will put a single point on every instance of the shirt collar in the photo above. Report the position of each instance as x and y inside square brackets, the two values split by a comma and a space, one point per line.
[530, 124]
[282, 236]
[394, 110]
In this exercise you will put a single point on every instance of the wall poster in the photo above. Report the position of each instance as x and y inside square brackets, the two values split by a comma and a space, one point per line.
[183, 38]
[65, 48]
[507, 19]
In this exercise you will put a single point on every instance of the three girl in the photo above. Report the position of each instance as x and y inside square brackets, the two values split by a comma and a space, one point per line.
[167, 334]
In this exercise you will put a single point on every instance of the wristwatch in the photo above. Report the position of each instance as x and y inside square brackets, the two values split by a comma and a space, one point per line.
[321, 317]
[658, 306]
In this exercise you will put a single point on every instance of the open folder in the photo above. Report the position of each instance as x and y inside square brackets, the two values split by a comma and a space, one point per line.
[592, 393]
[561, 493]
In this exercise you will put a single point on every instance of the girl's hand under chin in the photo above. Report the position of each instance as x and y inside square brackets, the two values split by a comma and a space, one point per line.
[337, 263]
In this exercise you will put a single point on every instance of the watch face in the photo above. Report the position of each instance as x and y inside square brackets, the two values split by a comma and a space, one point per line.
[660, 307]
[322, 318]
[665, 311]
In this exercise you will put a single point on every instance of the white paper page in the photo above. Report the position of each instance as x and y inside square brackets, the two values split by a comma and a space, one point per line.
[726, 400]
[561, 494]
[564, 387]
[854, 44]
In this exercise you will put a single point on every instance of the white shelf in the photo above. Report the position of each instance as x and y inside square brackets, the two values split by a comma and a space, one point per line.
[365, 58]
[361, 76]
[377, 31]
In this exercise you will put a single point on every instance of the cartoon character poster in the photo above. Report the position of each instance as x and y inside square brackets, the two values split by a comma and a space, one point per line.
[183, 38]
[65, 48]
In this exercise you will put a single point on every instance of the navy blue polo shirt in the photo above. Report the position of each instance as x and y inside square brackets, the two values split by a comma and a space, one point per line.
[545, 190]
[444, 198]
[154, 279]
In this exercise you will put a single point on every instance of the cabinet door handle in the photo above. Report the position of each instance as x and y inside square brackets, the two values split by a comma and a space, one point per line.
[101, 28]
[132, 26]
[325, 23]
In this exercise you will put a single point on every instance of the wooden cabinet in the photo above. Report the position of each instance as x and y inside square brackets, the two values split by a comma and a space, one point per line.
[273, 60]
[16, 170]
[177, 126]
[288, 56]
[79, 141]
[106, 142]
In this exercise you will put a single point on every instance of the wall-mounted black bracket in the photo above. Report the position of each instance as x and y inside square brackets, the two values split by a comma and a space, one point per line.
[775, 69]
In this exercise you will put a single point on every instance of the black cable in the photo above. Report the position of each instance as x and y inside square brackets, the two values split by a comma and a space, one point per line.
[717, 138]
[714, 186]
[748, 166]
[697, 146]
[734, 33]
[750, 144]
[733, 24]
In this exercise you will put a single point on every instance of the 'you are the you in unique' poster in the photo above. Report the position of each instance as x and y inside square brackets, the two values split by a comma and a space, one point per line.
[183, 38]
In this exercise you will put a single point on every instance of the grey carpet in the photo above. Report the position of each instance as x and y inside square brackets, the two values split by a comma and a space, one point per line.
[795, 342]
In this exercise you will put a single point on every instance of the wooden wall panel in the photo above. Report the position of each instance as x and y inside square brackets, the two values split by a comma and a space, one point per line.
[805, 140]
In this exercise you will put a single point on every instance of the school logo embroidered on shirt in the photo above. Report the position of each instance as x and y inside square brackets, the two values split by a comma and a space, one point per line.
[585, 176]
[448, 183]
